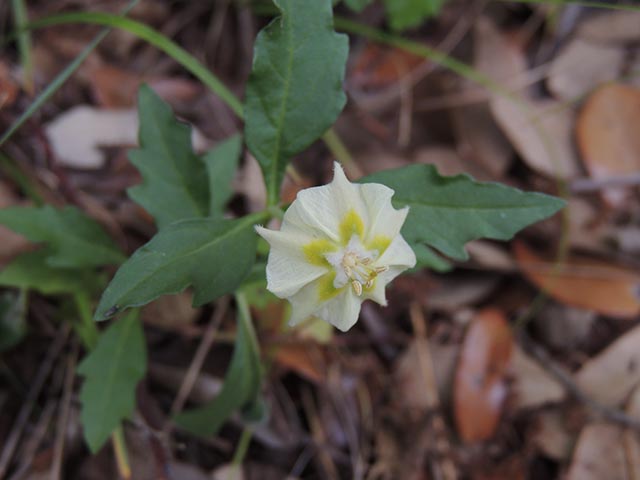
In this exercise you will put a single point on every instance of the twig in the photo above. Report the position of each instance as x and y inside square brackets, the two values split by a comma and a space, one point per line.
[31, 446]
[198, 359]
[63, 416]
[609, 414]
[594, 184]
[32, 396]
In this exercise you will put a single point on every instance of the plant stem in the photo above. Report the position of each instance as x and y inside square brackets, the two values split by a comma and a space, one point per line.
[242, 447]
[120, 451]
[21, 19]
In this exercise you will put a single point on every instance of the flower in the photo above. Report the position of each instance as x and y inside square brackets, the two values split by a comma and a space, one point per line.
[339, 245]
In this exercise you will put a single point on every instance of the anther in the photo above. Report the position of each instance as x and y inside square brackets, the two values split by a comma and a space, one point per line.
[381, 269]
[357, 287]
[369, 283]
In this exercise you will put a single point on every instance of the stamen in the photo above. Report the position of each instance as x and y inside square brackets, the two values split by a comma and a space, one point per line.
[357, 287]
[369, 283]
[381, 269]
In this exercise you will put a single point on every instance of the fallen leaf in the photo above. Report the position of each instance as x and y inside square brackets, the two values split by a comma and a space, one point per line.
[307, 360]
[607, 136]
[599, 454]
[539, 130]
[480, 387]
[531, 385]
[378, 66]
[410, 386]
[584, 283]
[9, 88]
[581, 66]
[170, 312]
[612, 375]
[551, 435]
[611, 27]
[77, 135]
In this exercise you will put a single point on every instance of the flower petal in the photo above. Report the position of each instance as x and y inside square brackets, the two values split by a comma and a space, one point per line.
[341, 310]
[384, 220]
[288, 269]
[322, 210]
[398, 254]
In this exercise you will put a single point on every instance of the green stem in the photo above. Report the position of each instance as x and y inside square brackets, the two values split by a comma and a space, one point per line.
[21, 19]
[242, 447]
[120, 451]
[156, 39]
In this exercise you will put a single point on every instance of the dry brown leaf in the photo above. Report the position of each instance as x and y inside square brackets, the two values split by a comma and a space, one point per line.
[171, 312]
[611, 27]
[612, 375]
[584, 283]
[480, 139]
[581, 66]
[410, 385]
[551, 435]
[531, 385]
[117, 88]
[9, 88]
[480, 387]
[378, 66]
[607, 136]
[307, 360]
[539, 131]
[599, 454]
[448, 162]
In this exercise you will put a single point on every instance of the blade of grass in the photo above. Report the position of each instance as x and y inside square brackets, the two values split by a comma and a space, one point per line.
[21, 19]
[156, 39]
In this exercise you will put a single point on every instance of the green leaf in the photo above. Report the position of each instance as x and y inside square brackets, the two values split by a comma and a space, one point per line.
[13, 325]
[31, 271]
[74, 240]
[112, 372]
[447, 212]
[294, 93]
[403, 14]
[357, 5]
[427, 258]
[221, 164]
[241, 386]
[213, 255]
[175, 183]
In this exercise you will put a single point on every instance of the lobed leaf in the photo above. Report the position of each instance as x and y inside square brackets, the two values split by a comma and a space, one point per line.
[447, 212]
[74, 240]
[240, 388]
[294, 93]
[213, 255]
[221, 164]
[32, 271]
[112, 372]
[175, 183]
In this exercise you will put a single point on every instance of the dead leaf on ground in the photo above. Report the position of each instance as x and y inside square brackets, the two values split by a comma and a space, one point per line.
[612, 375]
[532, 386]
[448, 162]
[539, 130]
[379, 66]
[599, 454]
[410, 386]
[77, 135]
[114, 87]
[611, 27]
[480, 387]
[607, 136]
[9, 88]
[584, 283]
[305, 359]
[171, 312]
[581, 66]
[551, 436]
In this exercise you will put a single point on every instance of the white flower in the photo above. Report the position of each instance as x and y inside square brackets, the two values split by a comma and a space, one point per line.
[339, 245]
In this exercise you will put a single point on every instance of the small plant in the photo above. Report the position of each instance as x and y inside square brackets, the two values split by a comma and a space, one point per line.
[339, 244]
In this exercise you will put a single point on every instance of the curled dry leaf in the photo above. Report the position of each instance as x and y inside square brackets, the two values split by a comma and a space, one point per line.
[613, 374]
[480, 387]
[607, 136]
[582, 66]
[584, 283]
[599, 454]
[539, 131]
